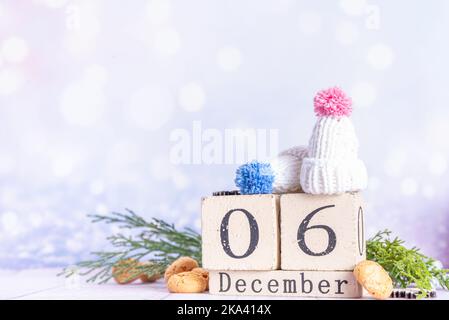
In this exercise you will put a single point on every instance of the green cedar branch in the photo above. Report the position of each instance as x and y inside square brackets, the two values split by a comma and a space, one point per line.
[406, 266]
[155, 241]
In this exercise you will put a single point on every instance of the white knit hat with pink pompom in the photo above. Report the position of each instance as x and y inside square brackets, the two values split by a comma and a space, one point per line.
[332, 165]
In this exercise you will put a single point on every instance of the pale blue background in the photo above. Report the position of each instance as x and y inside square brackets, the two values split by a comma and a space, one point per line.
[91, 90]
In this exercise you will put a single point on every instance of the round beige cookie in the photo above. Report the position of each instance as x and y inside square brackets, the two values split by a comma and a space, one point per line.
[204, 273]
[373, 277]
[182, 264]
[147, 278]
[186, 282]
[125, 272]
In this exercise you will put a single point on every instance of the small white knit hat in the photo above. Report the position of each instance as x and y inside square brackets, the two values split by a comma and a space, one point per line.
[332, 164]
[287, 168]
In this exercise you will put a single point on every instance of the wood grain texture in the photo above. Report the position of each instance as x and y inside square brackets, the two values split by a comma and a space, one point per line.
[326, 284]
[322, 232]
[241, 232]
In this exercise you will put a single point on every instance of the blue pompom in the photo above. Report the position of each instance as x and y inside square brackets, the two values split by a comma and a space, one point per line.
[254, 178]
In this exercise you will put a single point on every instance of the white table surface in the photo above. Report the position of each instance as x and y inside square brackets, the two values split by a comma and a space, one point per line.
[42, 284]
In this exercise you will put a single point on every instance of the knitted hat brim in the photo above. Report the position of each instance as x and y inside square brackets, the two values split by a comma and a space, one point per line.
[331, 176]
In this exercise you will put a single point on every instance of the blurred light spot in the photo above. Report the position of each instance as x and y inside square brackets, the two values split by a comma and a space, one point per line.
[395, 162]
[36, 219]
[83, 102]
[10, 223]
[8, 196]
[309, 23]
[101, 209]
[346, 33]
[428, 191]
[161, 168]
[159, 11]
[180, 180]
[167, 41]
[229, 59]
[96, 75]
[23, 255]
[96, 187]
[123, 153]
[442, 244]
[380, 56]
[62, 166]
[82, 105]
[409, 187]
[437, 127]
[437, 164]
[150, 107]
[192, 97]
[14, 49]
[363, 94]
[353, 7]
[47, 249]
[10, 81]
[280, 7]
[74, 245]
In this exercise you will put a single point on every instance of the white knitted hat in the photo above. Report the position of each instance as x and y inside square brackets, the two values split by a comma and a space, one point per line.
[287, 168]
[332, 164]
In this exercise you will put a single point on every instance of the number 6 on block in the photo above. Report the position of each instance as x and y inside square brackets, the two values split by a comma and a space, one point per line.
[322, 232]
[241, 232]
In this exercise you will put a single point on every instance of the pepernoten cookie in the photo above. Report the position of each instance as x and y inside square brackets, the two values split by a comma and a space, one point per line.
[182, 264]
[187, 282]
[149, 278]
[374, 279]
[125, 271]
[204, 273]
[129, 270]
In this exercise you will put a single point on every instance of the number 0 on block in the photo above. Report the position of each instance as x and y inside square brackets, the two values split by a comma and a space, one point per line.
[322, 232]
[241, 232]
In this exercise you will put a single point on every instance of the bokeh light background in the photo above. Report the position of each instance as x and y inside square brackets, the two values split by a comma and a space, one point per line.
[90, 92]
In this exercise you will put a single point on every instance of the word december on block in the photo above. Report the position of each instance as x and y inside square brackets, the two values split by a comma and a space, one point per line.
[285, 283]
[321, 232]
[241, 232]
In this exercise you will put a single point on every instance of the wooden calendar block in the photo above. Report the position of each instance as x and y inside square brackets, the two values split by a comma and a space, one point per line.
[241, 232]
[322, 232]
[327, 284]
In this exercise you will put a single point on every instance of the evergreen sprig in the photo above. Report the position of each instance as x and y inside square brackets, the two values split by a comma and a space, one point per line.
[156, 241]
[406, 266]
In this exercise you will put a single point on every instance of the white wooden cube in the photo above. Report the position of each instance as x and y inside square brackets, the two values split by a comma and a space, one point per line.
[322, 232]
[241, 232]
[325, 284]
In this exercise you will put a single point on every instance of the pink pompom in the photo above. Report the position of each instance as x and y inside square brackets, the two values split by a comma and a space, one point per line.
[332, 102]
